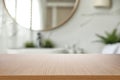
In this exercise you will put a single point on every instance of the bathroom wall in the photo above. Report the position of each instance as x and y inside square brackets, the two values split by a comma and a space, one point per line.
[83, 26]
[3, 39]
[80, 30]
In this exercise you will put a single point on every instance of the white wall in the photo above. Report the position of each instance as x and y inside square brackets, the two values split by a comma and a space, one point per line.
[3, 36]
[86, 22]
[83, 26]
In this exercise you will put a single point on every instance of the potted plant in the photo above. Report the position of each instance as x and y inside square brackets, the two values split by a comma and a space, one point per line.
[29, 44]
[47, 43]
[111, 40]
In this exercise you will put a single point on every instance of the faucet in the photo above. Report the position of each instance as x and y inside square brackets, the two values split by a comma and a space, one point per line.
[74, 49]
[39, 39]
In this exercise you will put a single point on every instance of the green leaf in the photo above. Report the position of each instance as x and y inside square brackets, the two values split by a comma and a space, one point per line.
[101, 37]
[110, 37]
[47, 43]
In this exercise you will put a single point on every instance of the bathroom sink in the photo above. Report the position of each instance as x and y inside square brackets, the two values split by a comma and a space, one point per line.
[35, 51]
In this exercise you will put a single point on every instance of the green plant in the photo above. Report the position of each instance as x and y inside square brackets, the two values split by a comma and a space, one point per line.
[29, 44]
[47, 43]
[109, 38]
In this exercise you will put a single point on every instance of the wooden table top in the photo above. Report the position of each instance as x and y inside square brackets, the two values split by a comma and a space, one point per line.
[59, 64]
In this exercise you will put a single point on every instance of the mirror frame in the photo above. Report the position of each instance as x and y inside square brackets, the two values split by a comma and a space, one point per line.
[75, 7]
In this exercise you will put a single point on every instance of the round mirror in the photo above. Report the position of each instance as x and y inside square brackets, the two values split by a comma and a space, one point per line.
[41, 14]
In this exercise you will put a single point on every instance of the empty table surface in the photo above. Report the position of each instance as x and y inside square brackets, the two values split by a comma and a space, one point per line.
[59, 65]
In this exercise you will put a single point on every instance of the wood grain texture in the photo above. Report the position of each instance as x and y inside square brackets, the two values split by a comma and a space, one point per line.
[59, 67]
[60, 78]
